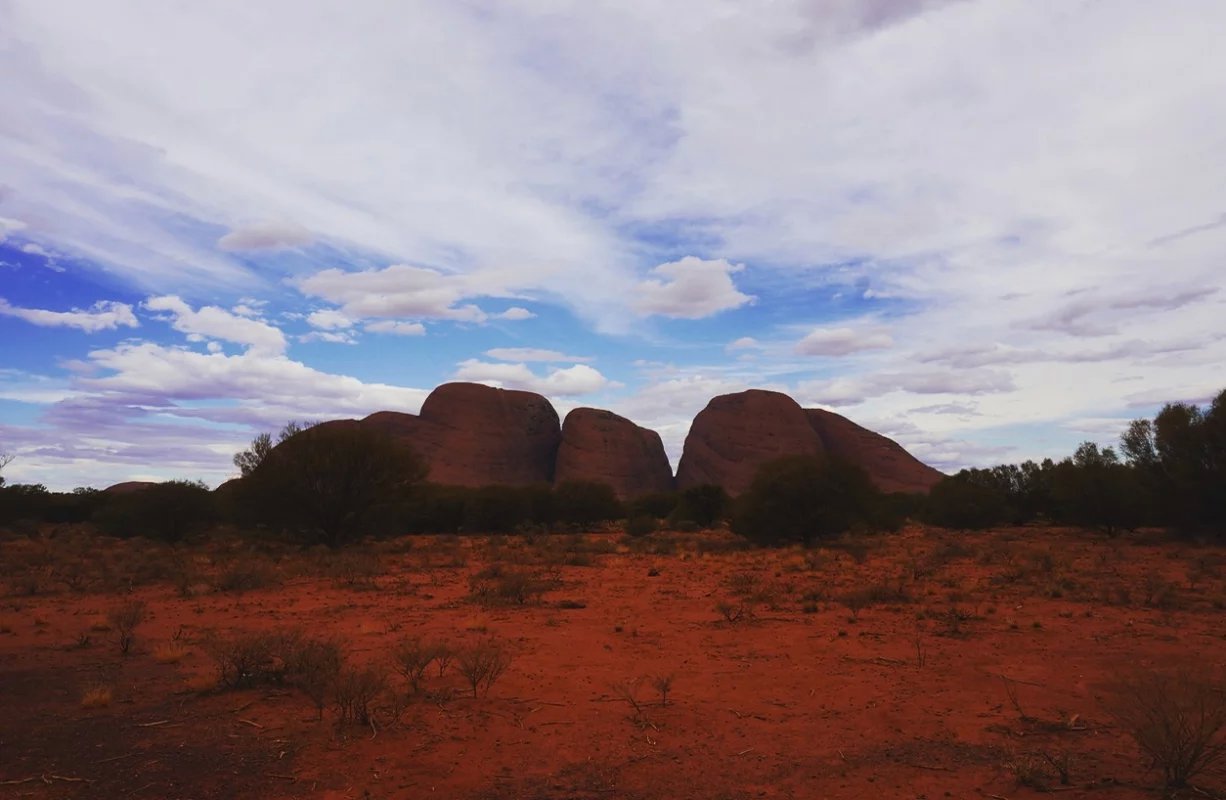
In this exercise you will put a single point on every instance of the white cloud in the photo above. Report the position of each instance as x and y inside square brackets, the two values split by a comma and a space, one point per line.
[397, 328]
[102, 316]
[743, 343]
[218, 323]
[515, 313]
[563, 382]
[397, 291]
[842, 341]
[8, 226]
[533, 354]
[328, 319]
[269, 386]
[690, 289]
[265, 236]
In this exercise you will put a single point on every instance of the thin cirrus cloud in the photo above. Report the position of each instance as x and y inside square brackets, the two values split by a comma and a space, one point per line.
[265, 236]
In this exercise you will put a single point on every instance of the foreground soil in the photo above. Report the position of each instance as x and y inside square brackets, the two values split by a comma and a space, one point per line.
[925, 664]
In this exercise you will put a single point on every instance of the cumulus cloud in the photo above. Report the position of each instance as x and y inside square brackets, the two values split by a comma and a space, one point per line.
[265, 236]
[690, 289]
[102, 316]
[398, 291]
[743, 343]
[842, 341]
[515, 314]
[397, 328]
[328, 319]
[533, 354]
[218, 323]
[563, 382]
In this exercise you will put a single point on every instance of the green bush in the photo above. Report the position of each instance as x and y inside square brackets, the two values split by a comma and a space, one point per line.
[804, 499]
[585, 502]
[702, 506]
[168, 511]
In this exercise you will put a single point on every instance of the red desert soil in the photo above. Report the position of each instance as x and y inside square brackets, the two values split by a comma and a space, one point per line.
[794, 699]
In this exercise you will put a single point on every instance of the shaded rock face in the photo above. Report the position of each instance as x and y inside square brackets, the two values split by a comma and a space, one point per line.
[891, 468]
[475, 435]
[600, 446]
[737, 433]
[128, 487]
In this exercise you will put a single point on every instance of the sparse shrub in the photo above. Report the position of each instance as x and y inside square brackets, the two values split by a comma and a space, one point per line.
[497, 586]
[628, 691]
[125, 619]
[1178, 720]
[663, 684]
[732, 612]
[251, 658]
[482, 664]
[313, 665]
[355, 570]
[411, 658]
[357, 689]
[245, 575]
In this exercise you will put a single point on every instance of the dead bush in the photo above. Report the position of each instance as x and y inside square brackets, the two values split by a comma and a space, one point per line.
[1178, 720]
[357, 690]
[246, 575]
[125, 619]
[251, 657]
[496, 585]
[313, 666]
[411, 658]
[482, 664]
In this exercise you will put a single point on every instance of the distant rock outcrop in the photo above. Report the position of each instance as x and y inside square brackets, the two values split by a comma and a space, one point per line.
[128, 487]
[475, 435]
[737, 433]
[891, 467]
[600, 446]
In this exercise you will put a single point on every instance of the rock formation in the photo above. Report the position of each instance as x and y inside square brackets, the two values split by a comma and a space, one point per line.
[737, 433]
[891, 467]
[476, 435]
[600, 446]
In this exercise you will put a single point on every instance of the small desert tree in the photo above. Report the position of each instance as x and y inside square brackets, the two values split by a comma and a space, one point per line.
[5, 460]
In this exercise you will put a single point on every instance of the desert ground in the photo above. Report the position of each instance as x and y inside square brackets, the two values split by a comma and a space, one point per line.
[924, 664]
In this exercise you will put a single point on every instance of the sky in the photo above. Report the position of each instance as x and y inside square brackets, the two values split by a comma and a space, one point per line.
[989, 229]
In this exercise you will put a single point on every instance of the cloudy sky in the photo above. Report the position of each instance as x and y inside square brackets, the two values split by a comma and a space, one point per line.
[988, 228]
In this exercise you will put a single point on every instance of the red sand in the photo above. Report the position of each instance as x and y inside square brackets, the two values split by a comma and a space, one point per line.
[796, 701]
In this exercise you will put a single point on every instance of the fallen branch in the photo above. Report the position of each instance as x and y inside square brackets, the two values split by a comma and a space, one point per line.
[47, 779]
[252, 723]
[152, 724]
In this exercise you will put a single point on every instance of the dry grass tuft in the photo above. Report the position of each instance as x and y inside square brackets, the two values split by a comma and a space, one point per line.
[97, 697]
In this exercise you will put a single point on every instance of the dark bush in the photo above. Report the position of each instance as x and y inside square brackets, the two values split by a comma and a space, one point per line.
[321, 481]
[702, 506]
[804, 499]
[658, 505]
[585, 502]
[167, 511]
